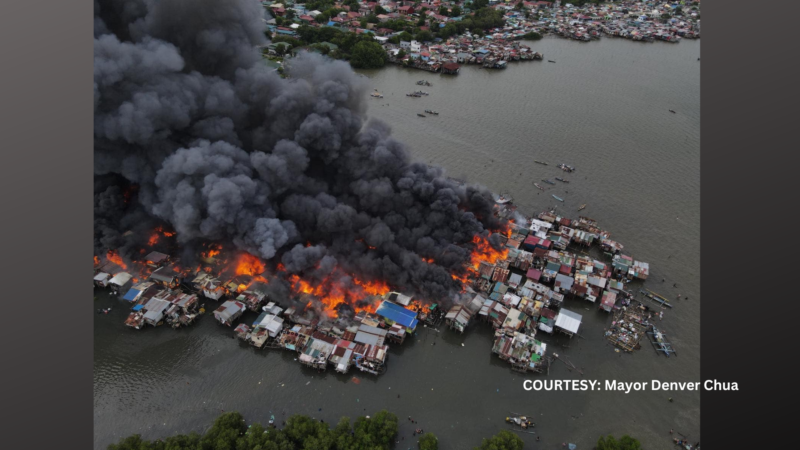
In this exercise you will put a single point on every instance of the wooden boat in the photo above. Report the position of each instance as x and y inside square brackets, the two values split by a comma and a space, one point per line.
[673, 112]
[562, 180]
[376, 94]
[522, 421]
[659, 341]
[583, 206]
[538, 186]
[566, 168]
[421, 115]
[540, 162]
[655, 297]
[431, 112]
[502, 200]
[550, 60]
[548, 181]
[558, 198]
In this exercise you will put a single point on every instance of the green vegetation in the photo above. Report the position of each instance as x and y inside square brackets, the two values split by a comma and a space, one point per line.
[624, 443]
[379, 432]
[533, 36]
[300, 433]
[504, 440]
[368, 55]
[428, 442]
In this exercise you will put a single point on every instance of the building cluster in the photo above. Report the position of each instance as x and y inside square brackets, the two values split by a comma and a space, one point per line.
[492, 48]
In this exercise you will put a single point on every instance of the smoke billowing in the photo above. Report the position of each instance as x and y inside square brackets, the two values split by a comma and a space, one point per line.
[192, 129]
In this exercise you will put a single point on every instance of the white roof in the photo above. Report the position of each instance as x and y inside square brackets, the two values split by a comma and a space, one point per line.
[102, 276]
[568, 320]
[121, 278]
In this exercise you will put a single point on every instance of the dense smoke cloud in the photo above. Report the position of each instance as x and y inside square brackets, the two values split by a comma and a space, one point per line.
[223, 149]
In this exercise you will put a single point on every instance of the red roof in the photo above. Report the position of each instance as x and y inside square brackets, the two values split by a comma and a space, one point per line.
[565, 269]
[534, 274]
[532, 240]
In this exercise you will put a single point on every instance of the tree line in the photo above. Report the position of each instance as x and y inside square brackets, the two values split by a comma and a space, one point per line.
[300, 432]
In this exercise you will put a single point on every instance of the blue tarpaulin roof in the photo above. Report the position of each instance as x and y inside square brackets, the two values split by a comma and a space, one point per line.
[397, 313]
[138, 307]
[131, 295]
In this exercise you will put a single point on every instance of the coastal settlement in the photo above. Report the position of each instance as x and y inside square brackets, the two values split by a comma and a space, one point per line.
[519, 291]
[439, 36]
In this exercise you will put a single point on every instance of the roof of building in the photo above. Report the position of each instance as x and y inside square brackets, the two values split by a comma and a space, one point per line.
[568, 320]
[397, 313]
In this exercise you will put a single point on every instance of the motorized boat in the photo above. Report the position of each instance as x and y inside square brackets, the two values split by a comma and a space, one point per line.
[558, 198]
[421, 115]
[583, 206]
[548, 181]
[522, 421]
[566, 168]
[540, 162]
[562, 180]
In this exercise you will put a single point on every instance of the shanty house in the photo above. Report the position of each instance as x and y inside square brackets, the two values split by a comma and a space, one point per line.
[396, 297]
[370, 335]
[608, 301]
[393, 313]
[155, 308]
[165, 277]
[156, 259]
[102, 279]
[563, 283]
[229, 311]
[568, 322]
[120, 283]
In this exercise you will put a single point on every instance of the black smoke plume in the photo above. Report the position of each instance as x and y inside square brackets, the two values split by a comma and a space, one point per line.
[193, 130]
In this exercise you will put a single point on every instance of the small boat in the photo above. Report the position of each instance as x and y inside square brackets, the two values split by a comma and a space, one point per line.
[521, 421]
[659, 342]
[655, 297]
[673, 112]
[431, 112]
[558, 198]
[583, 206]
[540, 162]
[502, 200]
[271, 419]
[548, 181]
[421, 115]
[566, 168]
[550, 60]
[537, 185]
[562, 180]
[376, 94]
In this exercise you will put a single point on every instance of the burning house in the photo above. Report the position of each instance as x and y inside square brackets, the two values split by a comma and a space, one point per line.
[165, 277]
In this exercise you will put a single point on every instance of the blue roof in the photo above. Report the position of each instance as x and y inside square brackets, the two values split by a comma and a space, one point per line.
[397, 313]
[331, 23]
[138, 307]
[131, 295]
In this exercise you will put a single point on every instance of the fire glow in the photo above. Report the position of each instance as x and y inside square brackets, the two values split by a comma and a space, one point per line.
[332, 294]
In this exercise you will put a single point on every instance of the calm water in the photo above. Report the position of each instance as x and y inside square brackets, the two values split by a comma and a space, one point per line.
[603, 108]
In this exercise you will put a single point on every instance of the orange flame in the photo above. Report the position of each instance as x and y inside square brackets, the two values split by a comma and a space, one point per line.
[249, 265]
[114, 257]
[96, 260]
[331, 294]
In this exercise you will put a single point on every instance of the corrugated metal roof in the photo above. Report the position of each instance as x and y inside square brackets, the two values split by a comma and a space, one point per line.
[397, 313]
[568, 320]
